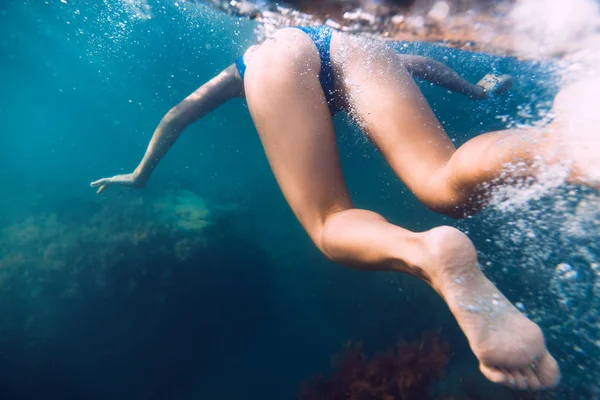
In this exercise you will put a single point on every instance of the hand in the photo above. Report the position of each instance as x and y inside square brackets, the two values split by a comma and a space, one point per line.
[132, 180]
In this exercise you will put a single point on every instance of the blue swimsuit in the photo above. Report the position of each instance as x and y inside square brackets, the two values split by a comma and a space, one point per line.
[321, 37]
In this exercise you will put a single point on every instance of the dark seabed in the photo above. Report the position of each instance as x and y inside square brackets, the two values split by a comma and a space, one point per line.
[203, 285]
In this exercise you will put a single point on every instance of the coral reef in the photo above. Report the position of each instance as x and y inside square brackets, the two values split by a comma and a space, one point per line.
[404, 373]
[413, 371]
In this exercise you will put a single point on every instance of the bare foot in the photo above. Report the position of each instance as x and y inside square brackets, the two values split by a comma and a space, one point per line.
[510, 348]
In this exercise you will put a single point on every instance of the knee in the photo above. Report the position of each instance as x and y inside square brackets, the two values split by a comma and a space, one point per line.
[344, 232]
[321, 235]
[323, 232]
[324, 238]
[455, 206]
[450, 208]
[443, 195]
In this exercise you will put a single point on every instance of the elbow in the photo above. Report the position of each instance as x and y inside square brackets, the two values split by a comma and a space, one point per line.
[175, 118]
[231, 81]
[173, 114]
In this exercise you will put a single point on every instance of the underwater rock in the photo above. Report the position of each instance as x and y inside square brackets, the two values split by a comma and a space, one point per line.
[143, 291]
[182, 210]
[100, 233]
[191, 211]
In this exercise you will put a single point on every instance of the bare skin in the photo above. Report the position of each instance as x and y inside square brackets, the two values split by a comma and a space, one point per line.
[228, 84]
[441, 75]
[299, 141]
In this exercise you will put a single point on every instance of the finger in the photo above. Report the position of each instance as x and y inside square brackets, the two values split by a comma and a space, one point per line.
[101, 189]
[100, 182]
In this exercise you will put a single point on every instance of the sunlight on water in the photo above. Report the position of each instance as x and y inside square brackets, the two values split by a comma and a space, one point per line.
[103, 29]
[137, 9]
[121, 18]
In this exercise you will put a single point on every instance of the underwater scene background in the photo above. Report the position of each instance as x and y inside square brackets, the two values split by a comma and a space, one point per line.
[203, 284]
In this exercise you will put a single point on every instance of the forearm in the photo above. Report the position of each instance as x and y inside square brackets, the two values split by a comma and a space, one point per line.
[204, 100]
[163, 138]
[440, 74]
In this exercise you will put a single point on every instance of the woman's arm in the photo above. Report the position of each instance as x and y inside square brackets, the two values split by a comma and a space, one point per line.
[205, 99]
[442, 75]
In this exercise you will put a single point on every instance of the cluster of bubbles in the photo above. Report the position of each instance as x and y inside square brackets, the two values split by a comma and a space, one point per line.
[107, 25]
[540, 237]
[539, 240]
[110, 31]
[224, 31]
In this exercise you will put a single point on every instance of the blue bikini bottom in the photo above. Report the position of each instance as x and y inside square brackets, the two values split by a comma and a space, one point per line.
[321, 37]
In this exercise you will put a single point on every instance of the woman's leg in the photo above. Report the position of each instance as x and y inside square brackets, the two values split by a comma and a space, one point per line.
[293, 121]
[457, 182]
[391, 109]
[571, 142]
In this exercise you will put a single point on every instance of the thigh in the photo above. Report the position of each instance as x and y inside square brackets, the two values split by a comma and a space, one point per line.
[392, 111]
[291, 115]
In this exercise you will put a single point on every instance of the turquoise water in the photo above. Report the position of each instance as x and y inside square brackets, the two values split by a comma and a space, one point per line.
[203, 284]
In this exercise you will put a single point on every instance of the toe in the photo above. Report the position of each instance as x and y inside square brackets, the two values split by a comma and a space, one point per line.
[521, 381]
[511, 381]
[532, 379]
[547, 371]
[495, 375]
